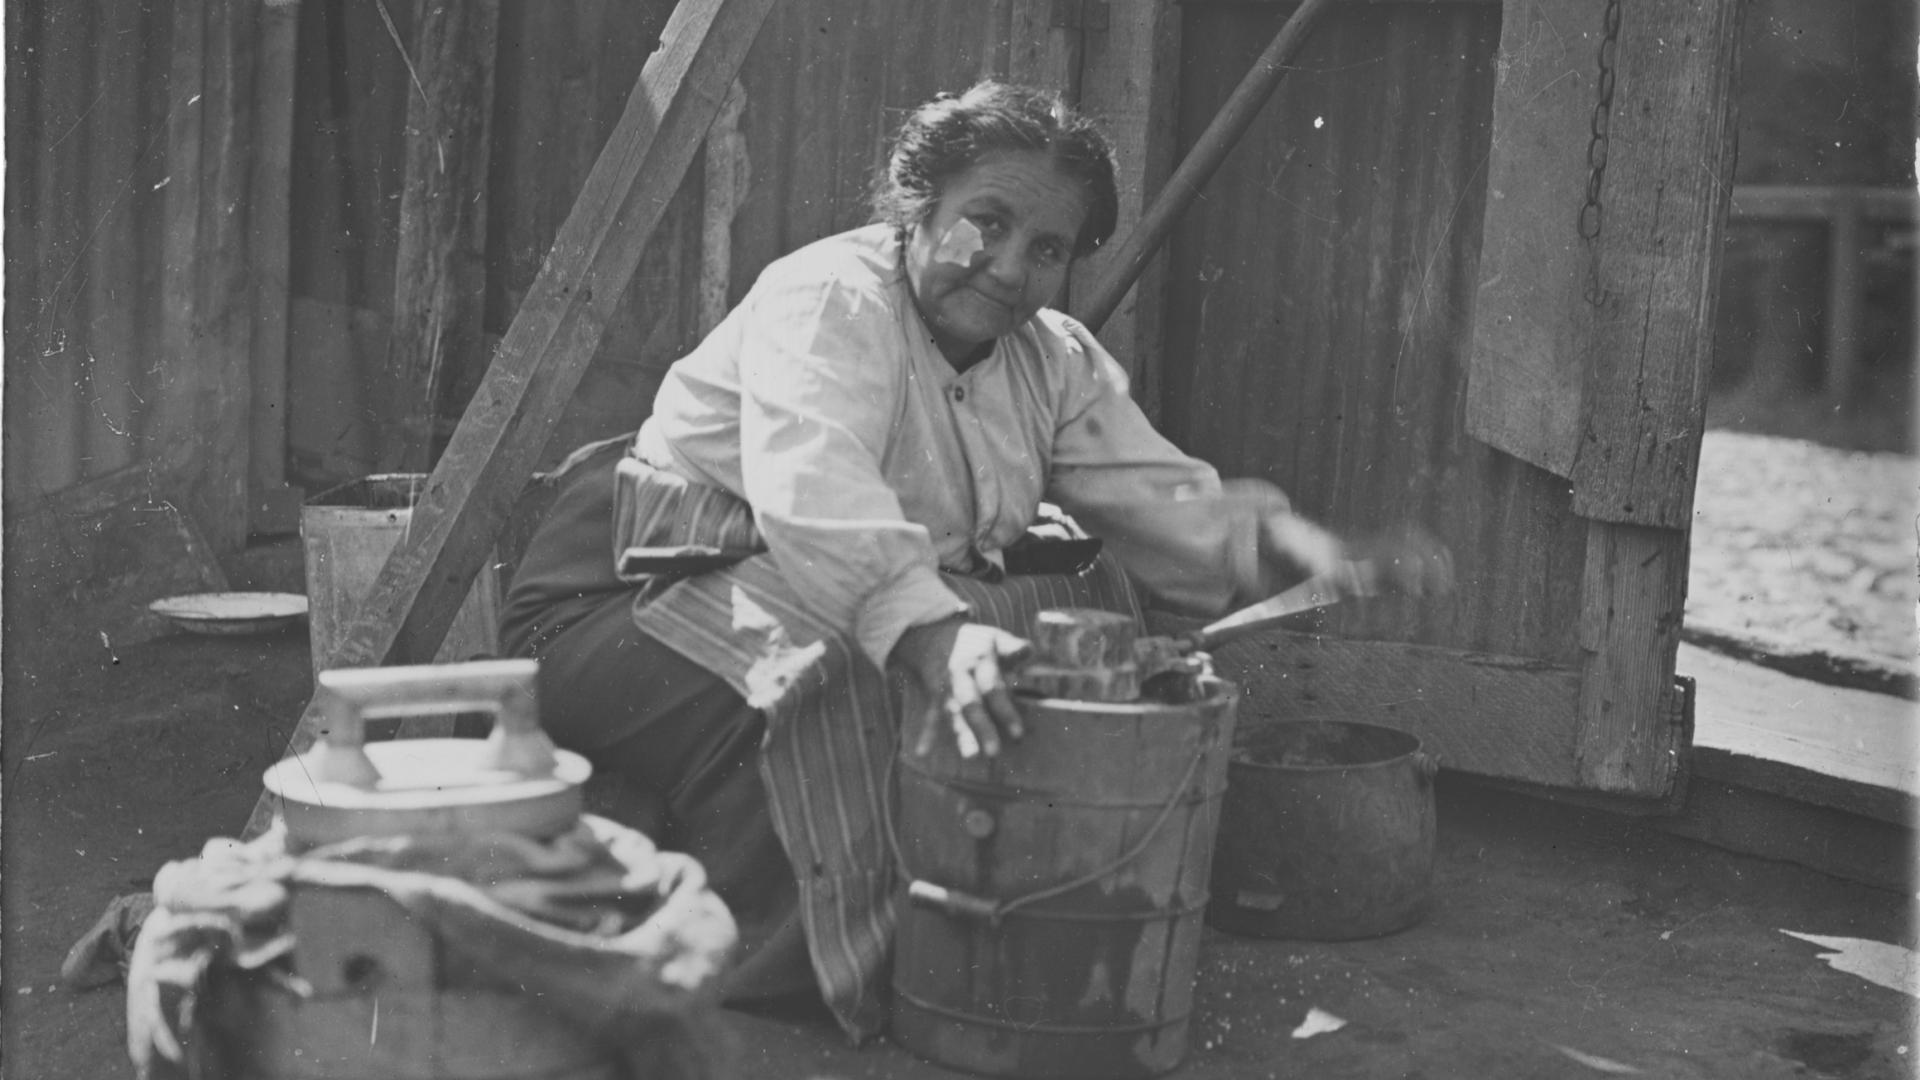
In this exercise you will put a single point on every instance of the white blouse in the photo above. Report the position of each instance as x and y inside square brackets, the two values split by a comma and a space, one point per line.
[871, 464]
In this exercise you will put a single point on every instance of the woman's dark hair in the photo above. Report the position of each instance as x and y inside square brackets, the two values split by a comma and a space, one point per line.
[949, 135]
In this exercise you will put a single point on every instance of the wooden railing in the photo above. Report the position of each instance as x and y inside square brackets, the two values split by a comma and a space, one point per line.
[1845, 211]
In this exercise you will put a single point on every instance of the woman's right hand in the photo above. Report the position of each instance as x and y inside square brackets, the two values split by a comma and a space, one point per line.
[1409, 560]
[962, 666]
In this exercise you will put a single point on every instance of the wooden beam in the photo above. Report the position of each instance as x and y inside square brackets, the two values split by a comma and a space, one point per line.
[1593, 323]
[273, 506]
[729, 175]
[1844, 282]
[199, 428]
[996, 39]
[1633, 590]
[1532, 335]
[1795, 202]
[1129, 81]
[1044, 44]
[1664, 194]
[440, 261]
[1495, 716]
[492, 453]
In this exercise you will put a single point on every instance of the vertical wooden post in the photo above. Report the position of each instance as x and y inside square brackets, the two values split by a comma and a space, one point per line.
[1044, 44]
[440, 261]
[728, 173]
[1633, 597]
[1117, 61]
[199, 432]
[1129, 81]
[1664, 192]
[273, 506]
[1843, 298]
[1667, 185]
[1607, 191]
[996, 52]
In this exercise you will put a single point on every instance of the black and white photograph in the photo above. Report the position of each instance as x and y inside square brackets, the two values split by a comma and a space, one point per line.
[924, 539]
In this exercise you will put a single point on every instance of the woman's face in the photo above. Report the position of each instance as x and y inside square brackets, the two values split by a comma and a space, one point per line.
[994, 251]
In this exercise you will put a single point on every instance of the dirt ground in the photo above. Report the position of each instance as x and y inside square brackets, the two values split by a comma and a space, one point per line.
[1562, 943]
[1554, 930]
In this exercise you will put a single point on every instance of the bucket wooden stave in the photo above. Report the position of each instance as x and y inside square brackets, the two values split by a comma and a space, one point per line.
[1093, 980]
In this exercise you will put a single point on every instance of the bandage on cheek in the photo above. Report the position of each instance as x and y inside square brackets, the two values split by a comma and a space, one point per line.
[961, 243]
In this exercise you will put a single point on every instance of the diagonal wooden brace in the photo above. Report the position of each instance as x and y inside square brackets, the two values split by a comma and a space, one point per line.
[492, 452]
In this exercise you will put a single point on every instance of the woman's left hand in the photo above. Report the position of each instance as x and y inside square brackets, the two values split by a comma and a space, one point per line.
[962, 667]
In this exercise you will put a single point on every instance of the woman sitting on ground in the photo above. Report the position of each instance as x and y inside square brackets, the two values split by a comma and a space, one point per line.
[866, 435]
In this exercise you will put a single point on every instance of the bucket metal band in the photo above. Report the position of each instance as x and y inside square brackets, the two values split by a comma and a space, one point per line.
[1168, 914]
[1033, 1026]
[983, 789]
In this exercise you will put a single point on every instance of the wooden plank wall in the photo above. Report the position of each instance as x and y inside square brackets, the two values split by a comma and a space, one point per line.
[347, 165]
[1318, 318]
[565, 71]
[826, 86]
[86, 179]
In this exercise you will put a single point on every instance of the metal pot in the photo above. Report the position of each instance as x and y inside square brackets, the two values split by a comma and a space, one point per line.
[1326, 833]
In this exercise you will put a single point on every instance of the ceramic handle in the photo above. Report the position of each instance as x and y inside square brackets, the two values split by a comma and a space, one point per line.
[348, 697]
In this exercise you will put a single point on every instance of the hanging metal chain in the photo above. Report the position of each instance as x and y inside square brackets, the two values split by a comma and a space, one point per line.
[1599, 123]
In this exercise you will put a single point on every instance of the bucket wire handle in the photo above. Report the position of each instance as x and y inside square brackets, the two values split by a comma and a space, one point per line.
[960, 903]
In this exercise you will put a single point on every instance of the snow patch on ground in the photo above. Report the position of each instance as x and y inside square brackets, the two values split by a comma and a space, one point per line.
[1799, 542]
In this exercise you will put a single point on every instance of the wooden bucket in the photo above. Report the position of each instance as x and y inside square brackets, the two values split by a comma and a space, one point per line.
[1056, 893]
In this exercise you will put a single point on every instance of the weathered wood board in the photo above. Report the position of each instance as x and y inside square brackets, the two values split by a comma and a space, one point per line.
[1632, 599]
[273, 504]
[440, 261]
[1495, 716]
[1667, 182]
[1532, 332]
[1130, 71]
[199, 429]
[1608, 180]
[1836, 746]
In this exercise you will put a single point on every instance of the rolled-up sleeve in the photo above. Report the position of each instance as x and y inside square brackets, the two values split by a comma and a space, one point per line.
[1191, 541]
[820, 372]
